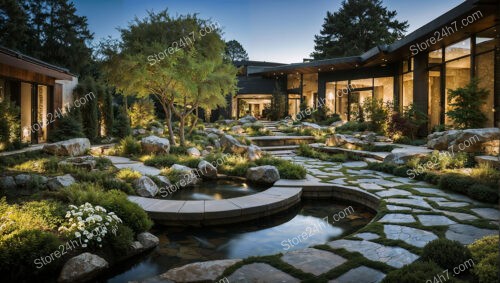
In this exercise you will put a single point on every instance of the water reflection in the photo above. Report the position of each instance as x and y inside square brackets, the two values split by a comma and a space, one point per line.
[179, 246]
[216, 190]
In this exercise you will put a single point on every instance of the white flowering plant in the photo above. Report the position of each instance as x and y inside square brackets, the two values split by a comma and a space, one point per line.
[90, 224]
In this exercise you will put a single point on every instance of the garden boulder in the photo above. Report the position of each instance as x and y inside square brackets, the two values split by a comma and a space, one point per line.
[157, 131]
[400, 158]
[82, 268]
[148, 240]
[247, 119]
[189, 178]
[470, 140]
[137, 132]
[207, 170]
[338, 123]
[266, 174]
[59, 182]
[237, 129]
[72, 147]
[215, 131]
[254, 152]
[193, 151]
[145, 187]
[346, 141]
[7, 183]
[232, 145]
[307, 125]
[154, 144]
[84, 162]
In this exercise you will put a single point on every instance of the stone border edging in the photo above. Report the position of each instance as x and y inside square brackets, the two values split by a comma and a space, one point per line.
[234, 210]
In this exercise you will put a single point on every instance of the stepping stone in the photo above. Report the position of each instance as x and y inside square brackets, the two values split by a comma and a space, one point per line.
[199, 271]
[436, 199]
[488, 213]
[403, 180]
[435, 220]
[467, 234]
[260, 272]
[392, 192]
[367, 236]
[458, 215]
[353, 172]
[371, 187]
[415, 237]
[355, 164]
[384, 175]
[340, 181]
[415, 202]
[403, 208]
[397, 218]
[368, 172]
[431, 191]
[394, 256]
[360, 274]
[452, 204]
[369, 181]
[313, 261]
[380, 182]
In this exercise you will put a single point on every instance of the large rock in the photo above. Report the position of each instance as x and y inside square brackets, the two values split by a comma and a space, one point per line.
[72, 147]
[148, 240]
[307, 125]
[266, 174]
[85, 162]
[60, 182]
[154, 144]
[207, 170]
[247, 119]
[232, 145]
[7, 183]
[82, 268]
[215, 131]
[164, 181]
[189, 178]
[237, 129]
[485, 140]
[157, 131]
[22, 180]
[338, 123]
[137, 132]
[400, 158]
[346, 141]
[193, 151]
[254, 152]
[199, 271]
[145, 187]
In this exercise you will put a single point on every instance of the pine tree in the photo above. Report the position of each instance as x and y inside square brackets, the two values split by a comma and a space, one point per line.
[358, 26]
[69, 126]
[466, 103]
[235, 51]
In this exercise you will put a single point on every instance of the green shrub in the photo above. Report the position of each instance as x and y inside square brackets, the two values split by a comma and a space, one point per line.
[161, 161]
[352, 126]
[466, 105]
[128, 175]
[456, 182]
[416, 272]
[446, 253]
[177, 149]
[120, 243]
[376, 112]
[69, 127]
[142, 113]
[483, 193]
[114, 184]
[129, 146]
[20, 250]
[10, 129]
[485, 255]
[102, 163]
[287, 169]
[307, 151]
[174, 176]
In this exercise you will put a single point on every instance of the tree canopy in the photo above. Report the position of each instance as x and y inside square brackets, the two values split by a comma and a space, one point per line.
[49, 30]
[356, 27]
[235, 51]
[178, 60]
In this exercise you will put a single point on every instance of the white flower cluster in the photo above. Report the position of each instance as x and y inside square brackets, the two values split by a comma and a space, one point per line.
[93, 223]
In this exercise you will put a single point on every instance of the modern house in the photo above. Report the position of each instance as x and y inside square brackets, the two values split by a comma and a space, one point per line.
[38, 88]
[421, 68]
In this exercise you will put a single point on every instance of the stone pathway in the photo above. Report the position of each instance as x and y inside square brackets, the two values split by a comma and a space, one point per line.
[123, 162]
[415, 213]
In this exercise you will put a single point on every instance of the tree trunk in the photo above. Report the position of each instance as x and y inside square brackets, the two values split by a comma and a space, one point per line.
[181, 131]
[168, 118]
[193, 126]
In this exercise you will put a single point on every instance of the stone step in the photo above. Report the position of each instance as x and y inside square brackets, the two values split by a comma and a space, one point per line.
[279, 147]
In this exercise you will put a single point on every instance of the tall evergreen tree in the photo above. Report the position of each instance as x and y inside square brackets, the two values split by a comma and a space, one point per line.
[235, 51]
[356, 27]
[49, 30]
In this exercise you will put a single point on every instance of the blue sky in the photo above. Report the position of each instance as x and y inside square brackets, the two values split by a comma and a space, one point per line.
[270, 30]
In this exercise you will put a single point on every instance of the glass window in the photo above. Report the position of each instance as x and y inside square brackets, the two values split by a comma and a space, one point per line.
[407, 97]
[405, 66]
[2, 89]
[457, 75]
[383, 88]
[362, 83]
[457, 50]
[485, 40]
[436, 57]
[330, 97]
[485, 70]
[434, 97]
[341, 99]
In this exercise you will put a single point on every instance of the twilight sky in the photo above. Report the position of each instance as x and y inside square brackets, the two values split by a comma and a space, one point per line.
[270, 30]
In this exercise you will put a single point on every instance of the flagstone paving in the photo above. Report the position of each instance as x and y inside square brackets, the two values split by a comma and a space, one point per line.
[408, 215]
